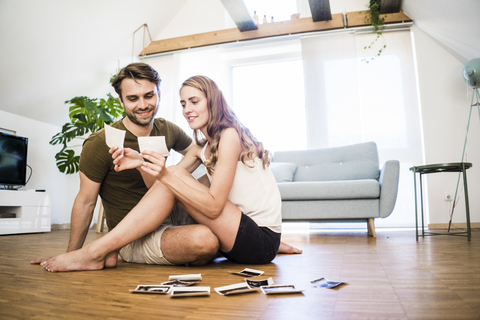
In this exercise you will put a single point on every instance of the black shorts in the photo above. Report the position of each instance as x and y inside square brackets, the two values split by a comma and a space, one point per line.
[253, 244]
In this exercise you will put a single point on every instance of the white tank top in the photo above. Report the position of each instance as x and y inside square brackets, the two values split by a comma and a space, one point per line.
[255, 193]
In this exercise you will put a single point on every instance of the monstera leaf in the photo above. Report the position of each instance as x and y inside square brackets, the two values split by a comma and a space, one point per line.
[67, 161]
[87, 116]
[69, 132]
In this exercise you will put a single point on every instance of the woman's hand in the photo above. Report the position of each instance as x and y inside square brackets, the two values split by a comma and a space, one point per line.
[156, 166]
[125, 159]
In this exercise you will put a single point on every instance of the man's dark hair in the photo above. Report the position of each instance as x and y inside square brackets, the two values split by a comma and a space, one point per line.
[136, 71]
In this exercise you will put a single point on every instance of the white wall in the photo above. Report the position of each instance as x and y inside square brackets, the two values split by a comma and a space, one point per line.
[41, 157]
[445, 101]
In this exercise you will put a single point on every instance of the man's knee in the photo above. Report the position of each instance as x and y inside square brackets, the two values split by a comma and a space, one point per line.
[193, 244]
[204, 241]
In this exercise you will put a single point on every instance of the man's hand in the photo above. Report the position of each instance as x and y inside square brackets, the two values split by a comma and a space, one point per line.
[130, 159]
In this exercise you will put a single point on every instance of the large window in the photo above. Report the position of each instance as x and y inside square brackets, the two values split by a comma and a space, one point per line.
[269, 99]
[349, 101]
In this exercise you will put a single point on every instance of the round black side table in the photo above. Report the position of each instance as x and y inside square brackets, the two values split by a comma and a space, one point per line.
[439, 168]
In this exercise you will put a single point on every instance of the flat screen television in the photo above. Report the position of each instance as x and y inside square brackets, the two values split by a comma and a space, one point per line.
[13, 161]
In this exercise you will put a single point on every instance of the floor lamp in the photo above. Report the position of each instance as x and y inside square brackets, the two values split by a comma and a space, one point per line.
[471, 74]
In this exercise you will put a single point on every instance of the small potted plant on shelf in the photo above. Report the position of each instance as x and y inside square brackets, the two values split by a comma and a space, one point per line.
[377, 20]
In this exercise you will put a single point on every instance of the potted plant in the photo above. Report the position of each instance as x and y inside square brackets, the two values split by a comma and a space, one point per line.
[87, 116]
[377, 20]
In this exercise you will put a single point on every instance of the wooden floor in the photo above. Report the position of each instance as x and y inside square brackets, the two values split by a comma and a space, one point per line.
[388, 277]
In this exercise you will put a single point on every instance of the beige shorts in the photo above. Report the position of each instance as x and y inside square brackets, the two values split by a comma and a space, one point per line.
[148, 249]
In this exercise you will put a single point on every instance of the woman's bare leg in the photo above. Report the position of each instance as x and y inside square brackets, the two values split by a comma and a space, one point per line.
[225, 227]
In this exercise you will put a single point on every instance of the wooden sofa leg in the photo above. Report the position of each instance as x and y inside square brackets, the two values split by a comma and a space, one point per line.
[371, 227]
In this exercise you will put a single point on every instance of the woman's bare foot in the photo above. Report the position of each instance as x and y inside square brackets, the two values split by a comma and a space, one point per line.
[286, 248]
[80, 260]
[111, 260]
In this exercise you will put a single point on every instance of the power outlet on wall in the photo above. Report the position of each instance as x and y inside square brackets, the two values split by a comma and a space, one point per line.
[448, 197]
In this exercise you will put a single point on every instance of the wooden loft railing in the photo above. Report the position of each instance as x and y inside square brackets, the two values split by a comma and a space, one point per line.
[357, 19]
[294, 26]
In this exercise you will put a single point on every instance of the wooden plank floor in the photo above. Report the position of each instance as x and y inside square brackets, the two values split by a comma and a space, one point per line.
[390, 277]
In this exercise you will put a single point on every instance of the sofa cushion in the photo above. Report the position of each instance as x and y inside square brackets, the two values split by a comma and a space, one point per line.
[330, 190]
[359, 161]
[283, 171]
[331, 210]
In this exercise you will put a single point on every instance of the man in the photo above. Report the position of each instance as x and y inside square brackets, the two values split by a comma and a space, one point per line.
[137, 86]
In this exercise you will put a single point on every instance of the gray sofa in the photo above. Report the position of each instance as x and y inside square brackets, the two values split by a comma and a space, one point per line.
[336, 184]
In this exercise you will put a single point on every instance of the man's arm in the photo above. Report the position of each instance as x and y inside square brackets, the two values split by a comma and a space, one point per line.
[82, 212]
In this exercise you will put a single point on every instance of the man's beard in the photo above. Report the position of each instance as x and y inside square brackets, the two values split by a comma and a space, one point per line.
[141, 122]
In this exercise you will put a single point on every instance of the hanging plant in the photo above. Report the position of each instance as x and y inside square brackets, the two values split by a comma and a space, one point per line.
[86, 116]
[377, 20]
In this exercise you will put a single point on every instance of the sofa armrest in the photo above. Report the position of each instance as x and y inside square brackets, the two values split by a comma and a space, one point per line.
[388, 180]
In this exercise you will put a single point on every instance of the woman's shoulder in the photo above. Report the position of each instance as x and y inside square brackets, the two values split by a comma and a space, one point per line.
[230, 143]
[230, 133]
[230, 138]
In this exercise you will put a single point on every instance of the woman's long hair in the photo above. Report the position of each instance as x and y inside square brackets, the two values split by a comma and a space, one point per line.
[220, 118]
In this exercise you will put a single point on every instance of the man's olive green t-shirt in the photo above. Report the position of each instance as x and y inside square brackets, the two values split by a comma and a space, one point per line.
[121, 191]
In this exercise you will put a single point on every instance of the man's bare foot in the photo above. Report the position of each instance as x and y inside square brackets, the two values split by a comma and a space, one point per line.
[38, 261]
[110, 261]
[286, 248]
[79, 260]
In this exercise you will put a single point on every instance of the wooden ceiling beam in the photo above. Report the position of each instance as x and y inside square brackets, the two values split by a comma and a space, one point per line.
[390, 6]
[320, 10]
[240, 15]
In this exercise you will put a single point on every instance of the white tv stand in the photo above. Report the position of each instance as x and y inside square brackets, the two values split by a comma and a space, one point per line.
[24, 212]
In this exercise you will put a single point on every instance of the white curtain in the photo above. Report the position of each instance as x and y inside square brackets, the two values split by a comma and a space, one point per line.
[350, 101]
[332, 104]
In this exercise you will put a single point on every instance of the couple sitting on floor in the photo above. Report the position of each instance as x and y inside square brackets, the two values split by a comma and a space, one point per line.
[238, 215]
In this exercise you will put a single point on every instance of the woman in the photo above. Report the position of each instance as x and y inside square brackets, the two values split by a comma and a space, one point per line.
[237, 166]
[242, 206]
